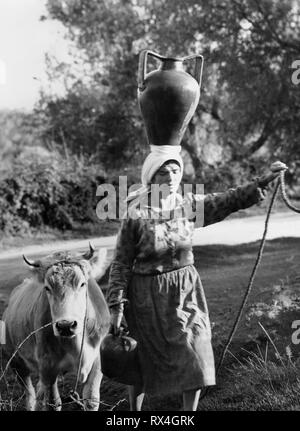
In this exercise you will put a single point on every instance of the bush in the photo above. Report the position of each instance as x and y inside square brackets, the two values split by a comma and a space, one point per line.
[49, 191]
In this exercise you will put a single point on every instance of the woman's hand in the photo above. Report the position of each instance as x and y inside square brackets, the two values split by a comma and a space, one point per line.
[275, 170]
[115, 321]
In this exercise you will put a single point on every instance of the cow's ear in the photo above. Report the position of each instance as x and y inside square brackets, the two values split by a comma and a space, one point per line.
[99, 263]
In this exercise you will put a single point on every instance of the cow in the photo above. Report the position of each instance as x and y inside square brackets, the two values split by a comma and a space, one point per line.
[64, 299]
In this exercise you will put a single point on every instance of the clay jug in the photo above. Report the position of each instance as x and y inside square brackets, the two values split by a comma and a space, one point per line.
[119, 359]
[168, 97]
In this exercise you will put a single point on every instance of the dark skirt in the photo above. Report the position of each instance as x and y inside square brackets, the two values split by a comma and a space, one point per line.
[167, 315]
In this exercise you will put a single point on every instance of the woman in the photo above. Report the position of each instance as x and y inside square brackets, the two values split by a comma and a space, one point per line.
[153, 269]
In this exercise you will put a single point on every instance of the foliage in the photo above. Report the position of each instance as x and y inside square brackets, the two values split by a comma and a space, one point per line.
[248, 115]
[48, 191]
[248, 46]
[17, 131]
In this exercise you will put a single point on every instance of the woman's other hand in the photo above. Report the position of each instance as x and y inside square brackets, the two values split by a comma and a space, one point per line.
[115, 321]
[275, 170]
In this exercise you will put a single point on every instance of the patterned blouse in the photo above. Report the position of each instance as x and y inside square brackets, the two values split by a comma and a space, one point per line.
[151, 244]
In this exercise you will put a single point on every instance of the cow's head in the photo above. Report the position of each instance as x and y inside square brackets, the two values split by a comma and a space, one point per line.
[65, 278]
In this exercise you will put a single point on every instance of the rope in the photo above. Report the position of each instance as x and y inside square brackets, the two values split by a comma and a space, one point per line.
[74, 391]
[250, 284]
[281, 184]
[284, 195]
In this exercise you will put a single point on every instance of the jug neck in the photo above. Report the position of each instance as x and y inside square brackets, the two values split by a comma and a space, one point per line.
[172, 64]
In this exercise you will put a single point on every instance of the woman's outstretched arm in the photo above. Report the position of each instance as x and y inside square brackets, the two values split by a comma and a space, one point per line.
[217, 206]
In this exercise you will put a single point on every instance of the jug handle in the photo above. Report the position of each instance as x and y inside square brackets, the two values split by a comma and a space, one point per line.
[142, 70]
[198, 67]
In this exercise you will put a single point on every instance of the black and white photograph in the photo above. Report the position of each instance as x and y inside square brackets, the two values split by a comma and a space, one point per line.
[150, 208]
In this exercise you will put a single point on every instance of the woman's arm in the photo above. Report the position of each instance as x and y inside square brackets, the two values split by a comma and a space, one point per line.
[121, 269]
[218, 206]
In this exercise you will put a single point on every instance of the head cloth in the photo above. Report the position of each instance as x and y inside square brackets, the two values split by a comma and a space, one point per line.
[159, 155]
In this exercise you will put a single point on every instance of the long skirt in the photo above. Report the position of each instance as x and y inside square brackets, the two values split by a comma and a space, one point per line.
[168, 316]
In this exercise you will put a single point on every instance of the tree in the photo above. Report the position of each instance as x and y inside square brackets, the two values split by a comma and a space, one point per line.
[248, 101]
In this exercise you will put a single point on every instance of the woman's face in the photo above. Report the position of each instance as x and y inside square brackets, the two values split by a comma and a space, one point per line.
[170, 174]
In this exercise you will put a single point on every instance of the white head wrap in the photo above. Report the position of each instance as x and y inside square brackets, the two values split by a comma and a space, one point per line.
[159, 155]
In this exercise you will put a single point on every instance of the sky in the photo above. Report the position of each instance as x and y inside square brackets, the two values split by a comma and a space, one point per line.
[24, 41]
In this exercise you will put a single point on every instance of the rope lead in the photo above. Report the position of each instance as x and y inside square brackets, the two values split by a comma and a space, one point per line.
[284, 194]
[281, 184]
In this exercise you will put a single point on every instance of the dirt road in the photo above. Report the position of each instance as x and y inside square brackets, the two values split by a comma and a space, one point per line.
[229, 232]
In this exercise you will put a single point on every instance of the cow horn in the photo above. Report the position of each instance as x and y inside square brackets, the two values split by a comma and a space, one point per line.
[88, 255]
[36, 265]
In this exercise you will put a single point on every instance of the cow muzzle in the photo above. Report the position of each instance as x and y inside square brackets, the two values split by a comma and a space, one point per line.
[66, 328]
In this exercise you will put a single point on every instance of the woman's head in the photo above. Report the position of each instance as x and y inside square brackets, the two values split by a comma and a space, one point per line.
[170, 174]
[163, 165]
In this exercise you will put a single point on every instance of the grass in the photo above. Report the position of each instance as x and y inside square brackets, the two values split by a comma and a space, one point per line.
[258, 383]
[253, 383]
[254, 376]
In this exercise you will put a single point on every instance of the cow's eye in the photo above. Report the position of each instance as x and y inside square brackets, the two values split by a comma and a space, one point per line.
[82, 285]
[47, 289]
